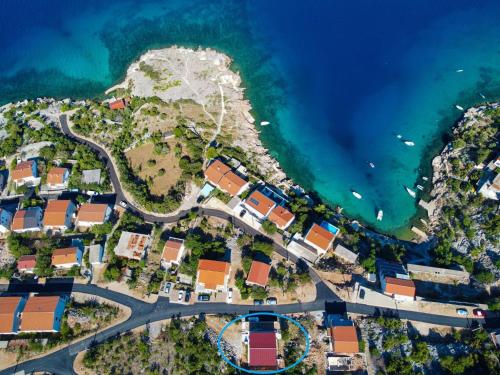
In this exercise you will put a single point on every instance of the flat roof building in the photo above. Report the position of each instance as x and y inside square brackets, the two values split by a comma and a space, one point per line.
[132, 245]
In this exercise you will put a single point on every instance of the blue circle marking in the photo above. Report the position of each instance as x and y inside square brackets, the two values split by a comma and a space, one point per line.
[304, 355]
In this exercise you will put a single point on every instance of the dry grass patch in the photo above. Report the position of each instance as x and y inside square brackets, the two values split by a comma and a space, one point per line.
[139, 158]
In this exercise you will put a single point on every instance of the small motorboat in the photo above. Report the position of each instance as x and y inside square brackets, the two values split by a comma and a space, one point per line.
[357, 195]
[409, 143]
[420, 187]
[264, 123]
[425, 178]
[380, 215]
[460, 108]
[371, 165]
[460, 70]
[482, 96]
[399, 136]
[411, 192]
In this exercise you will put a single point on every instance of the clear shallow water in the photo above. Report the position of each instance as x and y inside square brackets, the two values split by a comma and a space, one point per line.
[337, 81]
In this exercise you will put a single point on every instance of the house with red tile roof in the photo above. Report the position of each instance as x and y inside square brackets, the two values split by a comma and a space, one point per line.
[262, 351]
[26, 173]
[258, 274]
[42, 314]
[319, 238]
[27, 220]
[344, 339]
[173, 251]
[26, 263]
[281, 217]
[57, 178]
[10, 312]
[259, 205]
[90, 214]
[212, 276]
[5, 220]
[221, 175]
[118, 104]
[58, 215]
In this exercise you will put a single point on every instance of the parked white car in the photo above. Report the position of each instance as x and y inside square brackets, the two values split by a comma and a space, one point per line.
[181, 295]
[230, 295]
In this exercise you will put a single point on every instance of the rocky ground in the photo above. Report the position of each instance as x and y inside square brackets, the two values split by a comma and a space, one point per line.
[456, 205]
[203, 76]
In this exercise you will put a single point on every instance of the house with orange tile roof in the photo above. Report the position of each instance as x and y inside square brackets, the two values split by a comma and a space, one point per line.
[212, 276]
[319, 238]
[90, 214]
[395, 280]
[67, 257]
[118, 104]
[5, 220]
[259, 205]
[42, 314]
[58, 215]
[281, 217]
[133, 245]
[27, 220]
[57, 178]
[258, 274]
[26, 263]
[343, 335]
[221, 176]
[215, 171]
[10, 314]
[233, 184]
[173, 251]
[26, 173]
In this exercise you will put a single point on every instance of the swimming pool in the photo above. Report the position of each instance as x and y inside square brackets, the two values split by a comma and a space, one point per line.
[330, 227]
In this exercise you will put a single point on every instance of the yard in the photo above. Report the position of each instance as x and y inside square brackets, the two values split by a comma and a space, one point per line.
[162, 171]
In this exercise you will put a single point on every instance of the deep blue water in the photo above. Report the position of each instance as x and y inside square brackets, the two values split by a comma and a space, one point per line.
[338, 80]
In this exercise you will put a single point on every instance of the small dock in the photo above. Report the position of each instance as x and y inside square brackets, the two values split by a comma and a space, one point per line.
[420, 233]
[429, 207]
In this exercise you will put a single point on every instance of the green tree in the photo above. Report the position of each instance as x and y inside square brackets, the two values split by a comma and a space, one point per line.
[269, 227]
[457, 364]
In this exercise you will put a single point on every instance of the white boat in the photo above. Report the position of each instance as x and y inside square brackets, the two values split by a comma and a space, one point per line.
[425, 178]
[399, 136]
[380, 215]
[482, 96]
[264, 123]
[460, 70]
[372, 165]
[420, 187]
[357, 195]
[460, 108]
[411, 192]
[409, 143]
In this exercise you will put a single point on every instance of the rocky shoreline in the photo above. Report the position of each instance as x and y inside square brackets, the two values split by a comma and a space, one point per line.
[204, 76]
[441, 165]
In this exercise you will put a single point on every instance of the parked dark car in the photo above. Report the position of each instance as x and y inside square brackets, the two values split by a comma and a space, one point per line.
[188, 296]
[258, 302]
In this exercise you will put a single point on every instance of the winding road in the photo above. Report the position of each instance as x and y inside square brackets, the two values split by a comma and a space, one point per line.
[61, 361]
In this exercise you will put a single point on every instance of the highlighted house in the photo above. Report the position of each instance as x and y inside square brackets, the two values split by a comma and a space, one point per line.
[57, 178]
[262, 351]
[221, 175]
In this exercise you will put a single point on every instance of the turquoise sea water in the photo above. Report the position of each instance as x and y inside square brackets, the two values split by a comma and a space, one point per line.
[338, 80]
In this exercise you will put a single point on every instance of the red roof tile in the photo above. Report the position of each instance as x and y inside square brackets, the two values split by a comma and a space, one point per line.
[259, 273]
